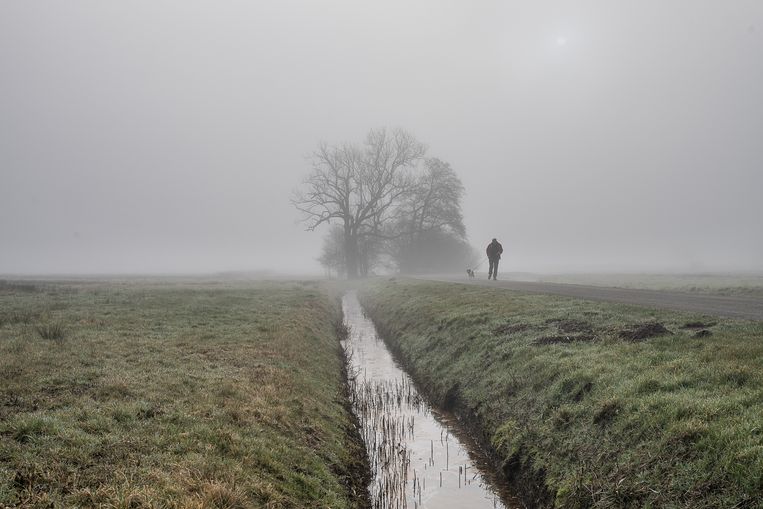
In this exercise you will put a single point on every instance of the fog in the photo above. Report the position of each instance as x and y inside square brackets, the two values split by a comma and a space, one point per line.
[167, 136]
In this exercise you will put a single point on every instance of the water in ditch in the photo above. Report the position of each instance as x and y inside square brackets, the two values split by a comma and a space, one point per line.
[419, 456]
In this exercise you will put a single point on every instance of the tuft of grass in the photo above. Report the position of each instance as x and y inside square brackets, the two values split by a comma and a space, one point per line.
[219, 495]
[54, 331]
[643, 416]
[28, 428]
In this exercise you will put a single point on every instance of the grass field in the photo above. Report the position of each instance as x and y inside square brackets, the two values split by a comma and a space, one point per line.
[715, 284]
[157, 394]
[590, 404]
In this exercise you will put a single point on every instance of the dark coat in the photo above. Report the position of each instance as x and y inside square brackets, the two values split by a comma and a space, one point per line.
[494, 250]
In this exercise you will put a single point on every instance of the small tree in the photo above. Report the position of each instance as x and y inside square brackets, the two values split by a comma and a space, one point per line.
[332, 253]
[435, 251]
[333, 256]
[432, 231]
[435, 203]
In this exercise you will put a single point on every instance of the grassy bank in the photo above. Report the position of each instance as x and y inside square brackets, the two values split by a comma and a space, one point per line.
[590, 404]
[142, 394]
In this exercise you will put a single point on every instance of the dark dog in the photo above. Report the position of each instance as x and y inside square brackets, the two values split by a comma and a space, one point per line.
[470, 273]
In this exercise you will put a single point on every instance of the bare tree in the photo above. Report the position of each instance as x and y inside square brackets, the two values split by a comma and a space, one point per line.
[434, 205]
[359, 187]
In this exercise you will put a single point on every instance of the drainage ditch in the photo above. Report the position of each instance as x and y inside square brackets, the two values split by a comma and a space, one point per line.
[420, 456]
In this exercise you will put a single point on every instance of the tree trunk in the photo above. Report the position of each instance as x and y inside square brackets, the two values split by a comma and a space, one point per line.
[363, 263]
[351, 252]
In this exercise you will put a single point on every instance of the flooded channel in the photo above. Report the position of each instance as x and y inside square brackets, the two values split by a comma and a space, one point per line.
[419, 457]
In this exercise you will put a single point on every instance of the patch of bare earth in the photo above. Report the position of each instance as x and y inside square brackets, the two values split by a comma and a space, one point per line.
[570, 338]
[641, 332]
[698, 325]
[510, 328]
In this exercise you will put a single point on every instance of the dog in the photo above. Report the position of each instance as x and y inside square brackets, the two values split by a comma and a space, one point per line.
[470, 273]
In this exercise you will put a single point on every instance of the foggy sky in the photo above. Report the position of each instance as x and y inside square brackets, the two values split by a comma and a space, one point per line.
[166, 136]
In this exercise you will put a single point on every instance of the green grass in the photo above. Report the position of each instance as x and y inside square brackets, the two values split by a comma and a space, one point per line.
[572, 406]
[157, 394]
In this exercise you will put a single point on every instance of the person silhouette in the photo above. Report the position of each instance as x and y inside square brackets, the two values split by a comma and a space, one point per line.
[494, 251]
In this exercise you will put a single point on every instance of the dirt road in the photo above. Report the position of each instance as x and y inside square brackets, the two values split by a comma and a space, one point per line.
[738, 307]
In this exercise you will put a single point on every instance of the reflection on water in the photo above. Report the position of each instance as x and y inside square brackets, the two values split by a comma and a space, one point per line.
[416, 459]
